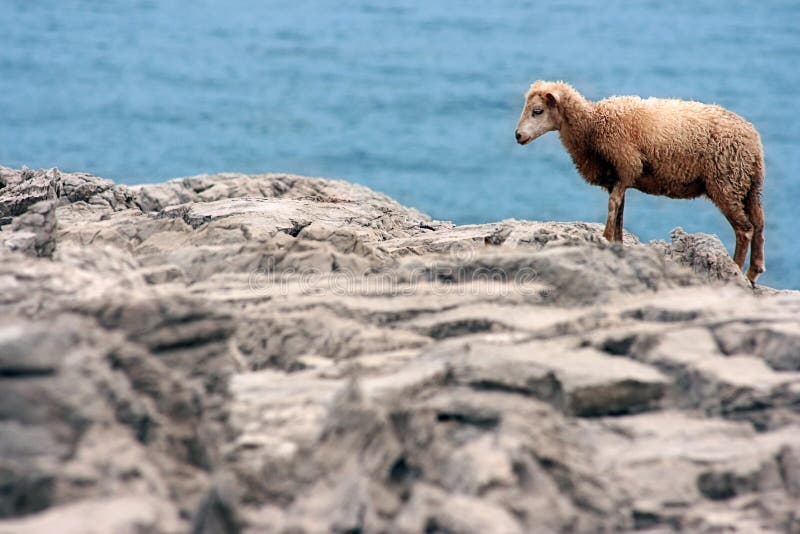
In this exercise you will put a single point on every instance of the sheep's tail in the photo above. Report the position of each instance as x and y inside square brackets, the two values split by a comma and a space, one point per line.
[755, 212]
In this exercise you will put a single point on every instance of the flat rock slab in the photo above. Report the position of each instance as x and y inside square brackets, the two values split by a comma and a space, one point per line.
[580, 382]
[133, 513]
[670, 462]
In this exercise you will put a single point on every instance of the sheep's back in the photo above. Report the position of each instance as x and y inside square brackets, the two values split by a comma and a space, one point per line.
[678, 136]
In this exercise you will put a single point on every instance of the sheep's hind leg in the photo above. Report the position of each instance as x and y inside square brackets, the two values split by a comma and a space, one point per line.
[755, 212]
[734, 212]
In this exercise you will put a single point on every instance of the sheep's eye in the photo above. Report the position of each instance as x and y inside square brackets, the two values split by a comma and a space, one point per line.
[537, 111]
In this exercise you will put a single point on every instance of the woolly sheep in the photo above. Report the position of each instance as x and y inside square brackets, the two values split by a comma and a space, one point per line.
[673, 148]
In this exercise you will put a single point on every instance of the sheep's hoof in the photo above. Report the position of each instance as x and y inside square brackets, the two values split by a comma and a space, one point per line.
[752, 274]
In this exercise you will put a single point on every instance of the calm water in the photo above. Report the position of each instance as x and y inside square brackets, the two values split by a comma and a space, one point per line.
[415, 99]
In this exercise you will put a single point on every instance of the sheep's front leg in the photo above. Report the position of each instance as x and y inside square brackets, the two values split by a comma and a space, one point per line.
[616, 204]
[628, 165]
[618, 222]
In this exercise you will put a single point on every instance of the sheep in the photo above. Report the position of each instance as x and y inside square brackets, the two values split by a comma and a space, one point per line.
[674, 148]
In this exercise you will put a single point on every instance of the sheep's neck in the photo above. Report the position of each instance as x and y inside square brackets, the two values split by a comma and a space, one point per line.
[575, 131]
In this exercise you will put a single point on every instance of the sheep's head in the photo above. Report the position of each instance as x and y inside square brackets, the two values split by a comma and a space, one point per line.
[541, 112]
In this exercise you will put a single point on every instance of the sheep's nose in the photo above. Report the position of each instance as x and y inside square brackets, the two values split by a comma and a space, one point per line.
[517, 135]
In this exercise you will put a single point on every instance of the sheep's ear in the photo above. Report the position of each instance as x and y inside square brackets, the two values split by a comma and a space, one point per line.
[551, 99]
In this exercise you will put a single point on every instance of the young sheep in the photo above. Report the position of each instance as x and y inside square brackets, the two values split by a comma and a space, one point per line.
[674, 148]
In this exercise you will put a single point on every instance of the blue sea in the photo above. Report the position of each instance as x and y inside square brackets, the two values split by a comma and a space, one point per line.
[418, 100]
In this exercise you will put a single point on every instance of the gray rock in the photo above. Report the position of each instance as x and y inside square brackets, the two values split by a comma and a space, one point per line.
[776, 342]
[128, 514]
[30, 351]
[34, 232]
[703, 253]
[22, 189]
[578, 382]
[277, 353]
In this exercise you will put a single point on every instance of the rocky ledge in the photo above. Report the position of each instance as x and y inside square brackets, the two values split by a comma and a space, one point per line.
[277, 353]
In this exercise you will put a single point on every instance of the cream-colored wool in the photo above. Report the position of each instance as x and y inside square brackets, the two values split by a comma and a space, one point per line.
[673, 148]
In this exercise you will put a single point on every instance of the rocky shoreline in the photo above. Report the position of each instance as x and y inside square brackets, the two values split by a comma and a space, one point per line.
[276, 353]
